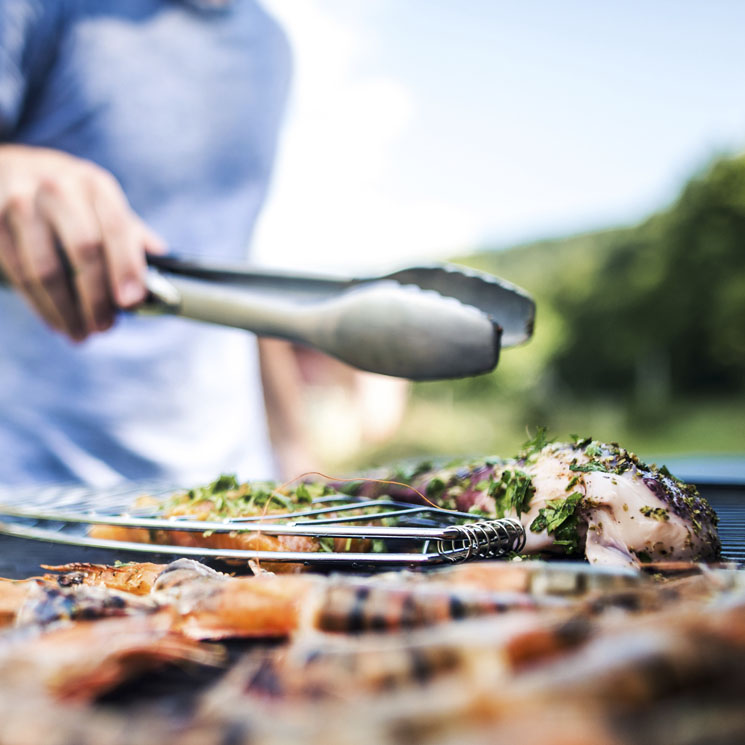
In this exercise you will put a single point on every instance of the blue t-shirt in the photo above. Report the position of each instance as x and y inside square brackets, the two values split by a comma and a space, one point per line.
[182, 104]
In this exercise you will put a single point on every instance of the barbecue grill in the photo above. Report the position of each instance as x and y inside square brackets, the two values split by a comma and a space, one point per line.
[48, 525]
[54, 520]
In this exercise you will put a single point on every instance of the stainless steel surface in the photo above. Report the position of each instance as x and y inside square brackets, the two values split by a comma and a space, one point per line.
[510, 307]
[421, 323]
[381, 327]
[63, 521]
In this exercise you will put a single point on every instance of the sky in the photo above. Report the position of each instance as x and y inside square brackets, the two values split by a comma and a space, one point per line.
[424, 129]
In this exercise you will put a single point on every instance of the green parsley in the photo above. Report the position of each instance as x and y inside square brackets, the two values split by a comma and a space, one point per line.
[594, 449]
[534, 445]
[435, 488]
[593, 465]
[559, 518]
[512, 492]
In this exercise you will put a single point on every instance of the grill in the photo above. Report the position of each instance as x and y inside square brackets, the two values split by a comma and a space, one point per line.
[728, 500]
[48, 525]
[57, 518]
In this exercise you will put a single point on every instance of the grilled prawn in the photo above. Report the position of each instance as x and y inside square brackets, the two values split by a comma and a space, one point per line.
[134, 577]
[80, 660]
[206, 604]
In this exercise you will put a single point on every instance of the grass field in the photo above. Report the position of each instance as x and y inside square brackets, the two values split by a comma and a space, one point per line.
[446, 426]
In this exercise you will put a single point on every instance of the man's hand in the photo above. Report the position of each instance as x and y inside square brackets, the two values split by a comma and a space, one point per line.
[52, 202]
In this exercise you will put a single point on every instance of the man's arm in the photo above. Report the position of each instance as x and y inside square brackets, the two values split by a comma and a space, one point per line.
[285, 408]
[69, 241]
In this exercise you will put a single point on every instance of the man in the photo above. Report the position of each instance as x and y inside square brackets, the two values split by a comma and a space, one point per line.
[126, 127]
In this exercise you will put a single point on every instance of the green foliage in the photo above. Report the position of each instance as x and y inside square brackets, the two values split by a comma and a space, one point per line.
[645, 312]
[640, 338]
[666, 314]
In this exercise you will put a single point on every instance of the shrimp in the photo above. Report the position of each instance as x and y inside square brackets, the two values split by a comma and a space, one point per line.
[13, 593]
[136, 578]
[210, 605]
[41, 602]
[45, 604]
[81, 660]
[206, 604]
[316, 665]
[353, 605]
[631, 679]
[566, 579]
[657, 655]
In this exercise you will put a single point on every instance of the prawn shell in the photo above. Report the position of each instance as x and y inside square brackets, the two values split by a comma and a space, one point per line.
[136, 578]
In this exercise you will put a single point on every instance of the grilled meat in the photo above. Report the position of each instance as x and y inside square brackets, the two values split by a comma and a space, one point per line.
[587, 499]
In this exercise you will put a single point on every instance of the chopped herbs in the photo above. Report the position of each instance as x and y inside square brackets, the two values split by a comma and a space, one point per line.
[224, 482]
[572, 482]
[593, 465]
[475, 510]
[512, 492]
[351, 488]
[594, 449]
[559, 518]
[326, 543]
[302, 493]
[534, 445]
[658, 513]
[227, 498]
[435, 488]
[520, 491]
[407, 472]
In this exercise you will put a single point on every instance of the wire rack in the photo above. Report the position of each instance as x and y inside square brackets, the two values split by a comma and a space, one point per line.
[401, 534]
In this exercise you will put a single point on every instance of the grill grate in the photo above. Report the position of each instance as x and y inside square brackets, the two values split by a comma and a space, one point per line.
[20, 557]
[728, 502]
[412, 535]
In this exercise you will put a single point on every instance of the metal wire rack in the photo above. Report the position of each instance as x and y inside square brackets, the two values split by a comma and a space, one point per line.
[401, 534]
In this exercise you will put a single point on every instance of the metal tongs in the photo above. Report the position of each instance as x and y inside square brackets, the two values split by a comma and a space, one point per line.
[421, 323]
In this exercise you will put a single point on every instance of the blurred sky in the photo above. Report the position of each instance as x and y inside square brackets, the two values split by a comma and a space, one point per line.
[427, 128]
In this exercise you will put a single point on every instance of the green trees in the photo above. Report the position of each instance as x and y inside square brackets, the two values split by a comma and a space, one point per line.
[640, 337]
[664, 313]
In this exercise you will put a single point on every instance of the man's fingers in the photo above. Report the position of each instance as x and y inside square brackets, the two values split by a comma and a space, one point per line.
[9, 263]
[123, 247]
[153, 243]
[75, 224]
[40, 273]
